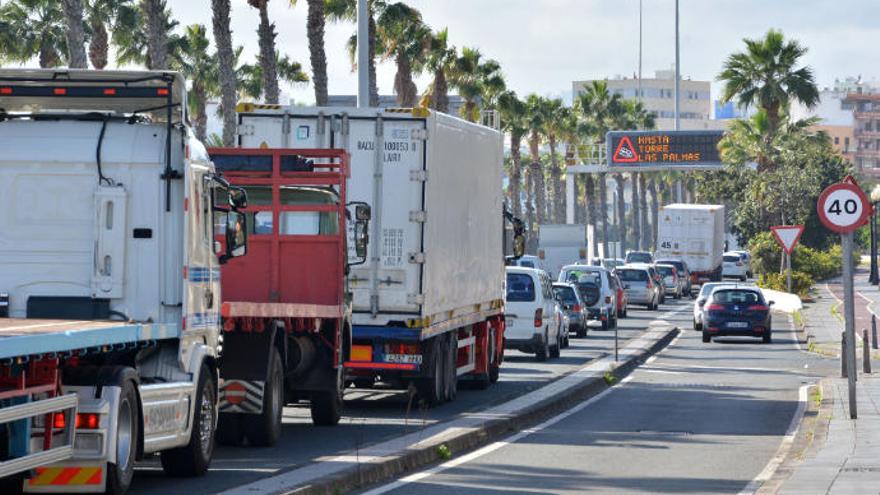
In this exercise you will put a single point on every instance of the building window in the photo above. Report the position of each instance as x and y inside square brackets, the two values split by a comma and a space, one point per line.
[846, 143]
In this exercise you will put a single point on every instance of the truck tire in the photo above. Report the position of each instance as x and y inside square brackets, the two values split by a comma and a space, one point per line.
[451, 361]
[229, 430]
[120, 473]
[194, 458]
[430, 388]
[264, 429]
[326, 405]
[495, 366]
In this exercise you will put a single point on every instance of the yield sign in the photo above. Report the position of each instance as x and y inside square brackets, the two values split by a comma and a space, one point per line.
[787, 236]
[625, 152]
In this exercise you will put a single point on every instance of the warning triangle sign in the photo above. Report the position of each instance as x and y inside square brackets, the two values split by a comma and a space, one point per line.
[787, 236]
[625, 152]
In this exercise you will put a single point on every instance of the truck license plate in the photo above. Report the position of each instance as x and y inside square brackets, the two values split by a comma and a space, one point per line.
[737, 324]
[404, 358]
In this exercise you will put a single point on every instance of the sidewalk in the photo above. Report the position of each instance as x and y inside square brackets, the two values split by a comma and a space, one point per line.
[849, 460]
[824, 317]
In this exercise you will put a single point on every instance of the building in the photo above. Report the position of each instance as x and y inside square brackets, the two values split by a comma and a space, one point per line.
[842, 139]
[658, 96]
[865, 108]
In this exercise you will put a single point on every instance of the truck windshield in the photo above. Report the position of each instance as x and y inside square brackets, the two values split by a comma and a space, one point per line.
[261, 222]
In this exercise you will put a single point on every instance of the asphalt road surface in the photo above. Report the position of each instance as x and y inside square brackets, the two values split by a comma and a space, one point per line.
[376, 415]
[697, 418]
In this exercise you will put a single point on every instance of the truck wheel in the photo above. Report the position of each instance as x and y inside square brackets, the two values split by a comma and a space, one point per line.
[119, 475]
[194, 458]
[542, 352]
[229, 430]
[264, 429]
[452, 367]
[326, 405]
[495, 365]
[430, 388]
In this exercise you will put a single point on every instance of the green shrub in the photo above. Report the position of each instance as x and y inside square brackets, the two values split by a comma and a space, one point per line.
[766, 254]
[800, 282]
[819, 265]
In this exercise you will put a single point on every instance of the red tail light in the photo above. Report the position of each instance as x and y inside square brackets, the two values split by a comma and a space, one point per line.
[401, 348]
[539, 318]
[650, 285]
[88, 421]
[758, 307]
[59, 422]
[715, 307]
[576, 308]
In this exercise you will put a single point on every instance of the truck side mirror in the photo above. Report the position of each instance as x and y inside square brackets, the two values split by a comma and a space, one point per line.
[363, 213]
[519, 245]
[236, 235]
[361, 237]
[237, 198]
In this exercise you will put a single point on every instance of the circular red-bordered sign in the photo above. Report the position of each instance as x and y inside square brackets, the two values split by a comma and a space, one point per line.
[843, 207]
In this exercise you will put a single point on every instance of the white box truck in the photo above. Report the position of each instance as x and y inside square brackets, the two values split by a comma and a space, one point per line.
[109, 279]
[695, 234]
[562, 244]
[428, 300]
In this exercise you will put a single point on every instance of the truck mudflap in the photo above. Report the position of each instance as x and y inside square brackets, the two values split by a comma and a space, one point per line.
[242, 396]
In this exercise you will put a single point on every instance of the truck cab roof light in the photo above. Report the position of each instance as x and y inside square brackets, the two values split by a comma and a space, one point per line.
[162, 91]
[5, 91]
[110, 92]
[59, 91]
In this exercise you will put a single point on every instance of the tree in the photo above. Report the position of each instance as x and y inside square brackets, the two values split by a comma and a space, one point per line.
[621, 210]
[439, 62]
[103, 13]
[513, 119]
[557, 117]
[404, 38]
[251, 78]
[225, 67]
[132, 36]
[317, 56]
[33, 28]
[767, 75]
[76, 34]
[655, 210]
[200, 67]
[346, 11]
[266, 40]
[156, 18]
[643, 212]
[475, 80]
[538, 110]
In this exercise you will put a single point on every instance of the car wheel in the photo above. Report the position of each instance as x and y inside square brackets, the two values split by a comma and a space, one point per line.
[542, 353]
[555, 351]
[582, 331]
[706, 337]
[605, 325]
[768, 338]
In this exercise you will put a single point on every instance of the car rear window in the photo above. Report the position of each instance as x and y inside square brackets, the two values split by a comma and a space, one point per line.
[736, 297]
[677, 264]
[632, 275]
[731, 258]
[589, 293]
[527, 264]
[664, 270]
[520, 288]
[565, 294]
[638, 258]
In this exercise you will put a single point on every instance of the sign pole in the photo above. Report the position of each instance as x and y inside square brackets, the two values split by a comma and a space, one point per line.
[787, 270]
[849, 353]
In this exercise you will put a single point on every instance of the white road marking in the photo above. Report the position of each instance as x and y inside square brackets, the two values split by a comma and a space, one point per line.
[784, 447]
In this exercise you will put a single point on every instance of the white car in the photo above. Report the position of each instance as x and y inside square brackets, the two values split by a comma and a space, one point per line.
[734, 266]
[595, 288]
[747, 259]
[705, 291]
[533, 319]
[529, 261]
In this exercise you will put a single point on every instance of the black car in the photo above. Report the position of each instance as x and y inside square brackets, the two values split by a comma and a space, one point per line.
[683, 271]
[737, 311]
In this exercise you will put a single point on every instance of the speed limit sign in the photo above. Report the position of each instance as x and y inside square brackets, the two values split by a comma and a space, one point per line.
[844, 207]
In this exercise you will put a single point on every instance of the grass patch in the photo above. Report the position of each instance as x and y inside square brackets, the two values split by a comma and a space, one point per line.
[816, 395]
[609, 377]
[811, 347]
[443, 452]
[836, 312]
[798, 319]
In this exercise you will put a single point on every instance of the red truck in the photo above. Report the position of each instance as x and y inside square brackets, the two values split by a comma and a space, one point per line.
[287, 308]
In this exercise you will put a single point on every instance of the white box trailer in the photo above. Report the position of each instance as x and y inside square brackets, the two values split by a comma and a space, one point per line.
[109, 279]
[695, 234]
[562, 244]
[433, 281]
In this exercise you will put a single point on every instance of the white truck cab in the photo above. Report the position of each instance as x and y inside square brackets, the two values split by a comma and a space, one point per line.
[108, 260]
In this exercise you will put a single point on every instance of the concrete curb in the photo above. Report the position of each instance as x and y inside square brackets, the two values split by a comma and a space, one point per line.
[460, 440]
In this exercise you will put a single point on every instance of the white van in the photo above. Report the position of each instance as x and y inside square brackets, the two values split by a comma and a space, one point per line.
[532, 319]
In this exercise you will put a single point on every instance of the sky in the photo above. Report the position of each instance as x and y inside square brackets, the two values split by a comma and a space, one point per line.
[544, 45]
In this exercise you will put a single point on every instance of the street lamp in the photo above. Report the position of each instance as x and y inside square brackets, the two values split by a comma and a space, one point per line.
[875, 199]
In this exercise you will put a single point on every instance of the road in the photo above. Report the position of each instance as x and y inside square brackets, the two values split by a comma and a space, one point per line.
[697, 418]
[374, 416]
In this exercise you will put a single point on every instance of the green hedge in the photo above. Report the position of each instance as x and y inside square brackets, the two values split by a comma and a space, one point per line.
[819, 265]
[800, 282]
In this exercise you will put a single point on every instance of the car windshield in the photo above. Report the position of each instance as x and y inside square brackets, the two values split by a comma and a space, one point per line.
[565, 294]
[666, 271]
[734, 296]
[677, 264]
[731, 258]
[520, 288]
[589, 293]
[632, 275]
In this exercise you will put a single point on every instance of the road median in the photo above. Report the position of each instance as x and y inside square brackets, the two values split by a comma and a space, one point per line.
[392, 458]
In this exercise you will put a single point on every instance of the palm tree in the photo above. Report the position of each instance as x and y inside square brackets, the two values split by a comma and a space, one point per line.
[132, 36]
[156, 18]
[475, 79]
[266, 38]
[225, 67]
[201, 68]
[643, 211]
[767, 75]
[655, 210]
[439, 62]
[251, 79]
[513, 118]
[621, 211]
[557, 116]
[76, 34]
[754, 140]
[102, 13]
[346, 11]
[404, 38]
[538, 116]
[317, 56]
[33, 28]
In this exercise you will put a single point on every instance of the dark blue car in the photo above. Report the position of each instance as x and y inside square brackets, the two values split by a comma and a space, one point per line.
[739, 311]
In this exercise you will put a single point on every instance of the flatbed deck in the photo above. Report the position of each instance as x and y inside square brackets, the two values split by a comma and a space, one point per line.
[26, 337]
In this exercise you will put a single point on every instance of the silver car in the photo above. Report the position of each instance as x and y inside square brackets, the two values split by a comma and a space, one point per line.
[639, 285]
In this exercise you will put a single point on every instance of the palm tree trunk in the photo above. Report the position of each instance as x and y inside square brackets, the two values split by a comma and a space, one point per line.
[374, 89]
[636, 214]
[268, 63]
[99, 45]
[643, 210]
[516, 174]
[440, 93]
[226, 62]
[530, 202]
[589, 203]
[558, 208]
[407, 94]
[470, 108]
[621, 211]
[315, 27]
[540, 188]
[603, 211]
[201, 116]
[157, 37]
[48, 56]
[76, 34]
[655, 210]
